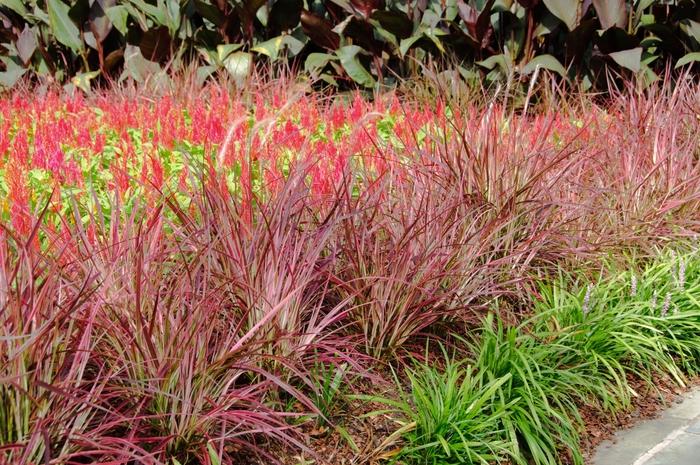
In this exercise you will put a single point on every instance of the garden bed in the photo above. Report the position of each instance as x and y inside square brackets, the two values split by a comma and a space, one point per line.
[220, 277]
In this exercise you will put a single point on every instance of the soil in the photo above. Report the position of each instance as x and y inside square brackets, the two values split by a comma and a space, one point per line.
[370, 434]
[373, 443]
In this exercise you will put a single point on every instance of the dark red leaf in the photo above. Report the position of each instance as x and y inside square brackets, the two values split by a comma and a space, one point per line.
[155, 44]
[319, 30]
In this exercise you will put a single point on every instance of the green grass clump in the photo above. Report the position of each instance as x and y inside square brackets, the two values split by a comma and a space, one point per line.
[445, 416]
[517, 396]
[541, 411]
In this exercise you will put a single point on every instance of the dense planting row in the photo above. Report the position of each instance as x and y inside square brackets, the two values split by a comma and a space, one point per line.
[357, 42]
[207, 279]
[635, 156]
[516, 395]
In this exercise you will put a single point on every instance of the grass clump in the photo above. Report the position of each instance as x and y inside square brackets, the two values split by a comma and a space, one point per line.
[542, 417]
[526, 384]
[448, 417]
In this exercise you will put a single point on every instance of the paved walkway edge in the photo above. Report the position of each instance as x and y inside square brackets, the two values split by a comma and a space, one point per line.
[671, 439]
[660, 446]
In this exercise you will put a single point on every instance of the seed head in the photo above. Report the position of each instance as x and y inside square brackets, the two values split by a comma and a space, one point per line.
[667, 304]
[587, 299]
[673, 264]
[681, 274]
[633, 286]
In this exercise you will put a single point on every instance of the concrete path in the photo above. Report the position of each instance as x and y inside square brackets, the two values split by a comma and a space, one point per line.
[671, 439]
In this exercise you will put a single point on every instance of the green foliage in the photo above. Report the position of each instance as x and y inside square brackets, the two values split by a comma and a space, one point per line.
[542, 416]
[360, 42]
[525, 384]
[329, 381]
[448, 418]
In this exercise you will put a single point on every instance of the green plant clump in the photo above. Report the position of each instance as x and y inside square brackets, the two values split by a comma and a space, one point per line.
[517, 395]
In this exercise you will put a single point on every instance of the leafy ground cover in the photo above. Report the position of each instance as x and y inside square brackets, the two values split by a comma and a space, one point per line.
[516, 396]
[221, 277]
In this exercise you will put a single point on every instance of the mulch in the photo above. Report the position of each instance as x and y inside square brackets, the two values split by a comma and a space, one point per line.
[373, 444]
[649, 402]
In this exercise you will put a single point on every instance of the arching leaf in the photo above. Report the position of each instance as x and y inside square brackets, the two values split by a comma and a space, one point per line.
[630, 59]
[274, 46]
[65, 31]
[691, 28]
[611, 13]
[15, 5]
[352, 66]
[565, 10]
[317, 61]
[118, 15]
[546, 62]
[687, 59]
[407, 43]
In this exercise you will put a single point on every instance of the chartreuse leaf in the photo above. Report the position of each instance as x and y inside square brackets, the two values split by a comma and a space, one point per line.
[65, 31]
[213, 455]
[687, 59]
[224, 50]
[566, 10]
[274, 46]
[547, 62]
[630, 59]
[15, 5]
[270, 48]
[351, 64]
[82, 80]
[648, 76]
